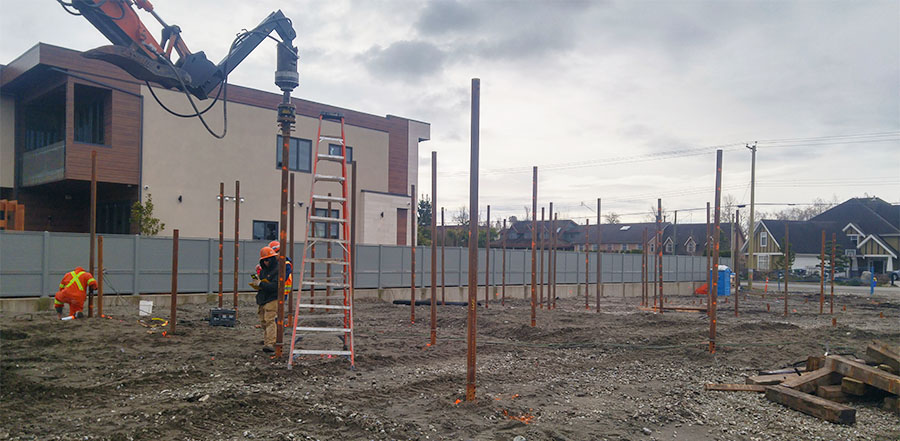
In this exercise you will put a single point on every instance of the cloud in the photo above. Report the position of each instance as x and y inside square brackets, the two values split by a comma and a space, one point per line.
[442, 17]
[406, 59]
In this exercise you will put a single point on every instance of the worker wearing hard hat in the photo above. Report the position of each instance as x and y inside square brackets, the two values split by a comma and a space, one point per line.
[267, 295]
[72, 291]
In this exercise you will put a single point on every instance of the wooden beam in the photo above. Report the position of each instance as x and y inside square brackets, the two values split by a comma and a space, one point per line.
[769, 380]
[812, 405]
[852, 386]
[882, 353]
[814, 362]
[809, 381]
[833, 393]
[727, 387]
[891, 404]
[867, 374]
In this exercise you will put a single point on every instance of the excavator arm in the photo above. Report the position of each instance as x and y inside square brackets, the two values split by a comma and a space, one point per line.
[137, 52]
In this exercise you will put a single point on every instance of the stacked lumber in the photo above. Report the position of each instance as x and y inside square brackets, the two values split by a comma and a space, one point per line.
[825, 387]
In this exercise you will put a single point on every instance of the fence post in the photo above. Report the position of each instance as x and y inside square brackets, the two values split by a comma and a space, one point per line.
[45, 265]
[380, 269]
[209, 271]
[623, 274]
[135, 284]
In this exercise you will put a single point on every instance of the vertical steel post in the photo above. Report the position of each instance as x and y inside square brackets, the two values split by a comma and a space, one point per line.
[473, 243]
[286, 119]
[751, 263]
[787, 255]
[644, 268]
[659, 251]
[93, 227]
[822, 277]
[237, 240]
[708, 248]
[487, 260]
[587, 262]
[221, 237]
[713, 292]
[292, 203]
[599, 257]
[735, 259]
[173, 302]
[833, 267]
[433, 248]
[503, 264]
[99, 276]
[443, 265]
[555, 254]
[551, 256]
[412, 253]
[534, 232]
[541, 239]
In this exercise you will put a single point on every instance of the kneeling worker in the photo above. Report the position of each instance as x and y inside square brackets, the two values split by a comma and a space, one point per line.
[267, 295]
[73, 290]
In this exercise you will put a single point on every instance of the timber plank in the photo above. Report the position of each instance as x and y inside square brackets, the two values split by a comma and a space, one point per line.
[882, 353]
[812, 405]
[873, 377]
[809, 381]
[769, 380]
[852, 386]
[832, 392]
[728, 387]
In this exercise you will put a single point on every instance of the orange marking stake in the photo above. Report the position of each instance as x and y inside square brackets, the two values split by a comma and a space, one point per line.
[844, 308]
[457, 401]
[833, 322]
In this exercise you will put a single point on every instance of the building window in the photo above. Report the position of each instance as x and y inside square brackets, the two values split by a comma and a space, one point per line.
[855, 239]
[691, 247]
[762, 261]
[265, 230]
[299, 159]
[669, 247]
[89, 120]
[332, 226]
[763, 239]
[652, 248]
[335, 150]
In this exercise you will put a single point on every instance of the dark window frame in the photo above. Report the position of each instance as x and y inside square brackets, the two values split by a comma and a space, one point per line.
[295, 146]
[332, 147]
[265, 224]
[319, 231]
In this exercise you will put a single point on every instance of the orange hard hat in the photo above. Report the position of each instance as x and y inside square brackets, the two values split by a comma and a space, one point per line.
[275, 245]
[266, 252]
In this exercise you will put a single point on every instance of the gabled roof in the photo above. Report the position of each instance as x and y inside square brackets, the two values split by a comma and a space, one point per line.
[806, 236]
[871, 215]
[625, 233]
[878, 240]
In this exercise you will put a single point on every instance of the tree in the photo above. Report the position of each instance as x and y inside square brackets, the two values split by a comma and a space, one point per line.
[142, 216]
[779, 260]
[841, 262]
[612, 218]
[461, 216]
[423, 214]
[651, 215]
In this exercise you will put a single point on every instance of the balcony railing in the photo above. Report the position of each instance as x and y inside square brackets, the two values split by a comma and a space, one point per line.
[43, 165]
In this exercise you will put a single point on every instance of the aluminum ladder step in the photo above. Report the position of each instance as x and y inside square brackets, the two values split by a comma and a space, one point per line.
[319, 352]
[322, 198]
[326, 240]
[326, 219]
[329, 178]
[335, 158]
[331, 139]
[328, 284]
[323, 330]
[321, 316]
[328, 261]
[321, 306]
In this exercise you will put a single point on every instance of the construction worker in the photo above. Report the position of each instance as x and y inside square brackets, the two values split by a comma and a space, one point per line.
[73, 290]
[267, 296]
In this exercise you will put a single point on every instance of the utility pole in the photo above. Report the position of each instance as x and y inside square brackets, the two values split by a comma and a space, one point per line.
[751, 262]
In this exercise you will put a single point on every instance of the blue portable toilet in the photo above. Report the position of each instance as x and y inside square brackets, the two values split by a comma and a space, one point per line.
[724, 283]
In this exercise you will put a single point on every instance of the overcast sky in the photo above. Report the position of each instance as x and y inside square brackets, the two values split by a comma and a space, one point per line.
[619, 100]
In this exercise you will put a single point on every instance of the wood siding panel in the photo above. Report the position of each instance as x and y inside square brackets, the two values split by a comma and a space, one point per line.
[401, 225]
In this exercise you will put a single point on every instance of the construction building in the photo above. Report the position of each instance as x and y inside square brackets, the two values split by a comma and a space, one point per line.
[58, 107]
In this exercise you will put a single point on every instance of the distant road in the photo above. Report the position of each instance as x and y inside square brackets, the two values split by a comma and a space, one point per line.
[892, 292]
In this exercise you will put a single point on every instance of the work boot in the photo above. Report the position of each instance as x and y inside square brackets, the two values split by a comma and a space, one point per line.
[79, 315]
[268, 349]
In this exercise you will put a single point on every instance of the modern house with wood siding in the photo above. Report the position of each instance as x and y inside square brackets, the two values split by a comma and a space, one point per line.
[58, 107]
[867, 230]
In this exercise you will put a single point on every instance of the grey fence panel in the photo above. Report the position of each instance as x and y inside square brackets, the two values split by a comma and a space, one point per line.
[632, 268]
[119, 265]
[22, 267]
[367, 266]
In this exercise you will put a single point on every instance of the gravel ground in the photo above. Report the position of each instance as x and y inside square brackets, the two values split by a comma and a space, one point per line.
[622, 374]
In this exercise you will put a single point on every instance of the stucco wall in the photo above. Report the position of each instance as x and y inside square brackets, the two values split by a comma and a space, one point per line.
[379, 218]
[7, 141]
[181, 159]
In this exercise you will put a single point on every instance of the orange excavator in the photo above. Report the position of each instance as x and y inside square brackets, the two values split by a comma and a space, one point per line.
[137, 52]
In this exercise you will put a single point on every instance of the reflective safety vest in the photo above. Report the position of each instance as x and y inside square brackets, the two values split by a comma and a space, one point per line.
[74, 278]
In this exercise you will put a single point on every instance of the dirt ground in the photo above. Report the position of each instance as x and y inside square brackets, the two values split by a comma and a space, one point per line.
[619, 374]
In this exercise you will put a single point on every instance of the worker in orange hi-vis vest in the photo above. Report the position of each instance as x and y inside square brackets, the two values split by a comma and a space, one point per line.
[73, 290]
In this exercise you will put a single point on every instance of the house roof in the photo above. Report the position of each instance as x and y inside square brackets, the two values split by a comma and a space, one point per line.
[806, 236]
[872, 215]
[698, 232]
[621, 233]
